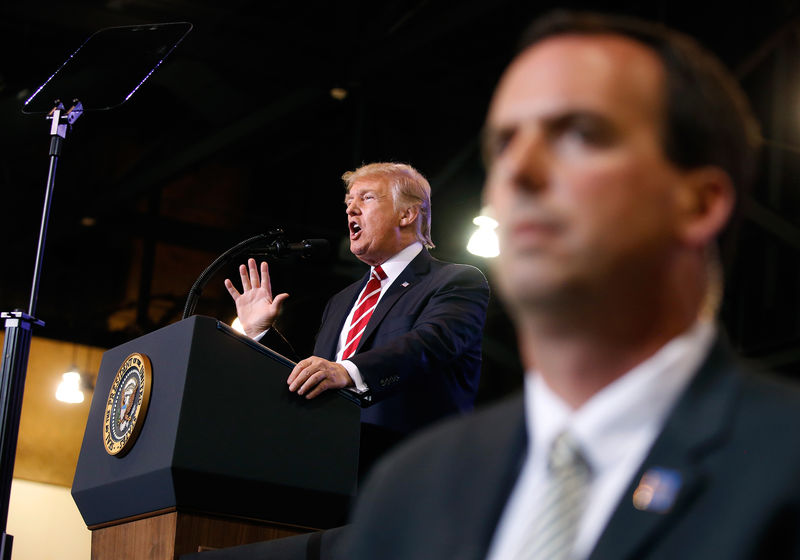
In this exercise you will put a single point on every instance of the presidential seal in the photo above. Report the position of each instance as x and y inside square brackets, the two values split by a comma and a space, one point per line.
[127, 404]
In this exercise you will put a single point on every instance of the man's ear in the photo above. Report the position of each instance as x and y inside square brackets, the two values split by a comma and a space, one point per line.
[705, 202]
[409, 216]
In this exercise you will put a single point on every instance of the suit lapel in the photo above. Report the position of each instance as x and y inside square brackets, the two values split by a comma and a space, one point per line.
[412, 274]
[696, 426]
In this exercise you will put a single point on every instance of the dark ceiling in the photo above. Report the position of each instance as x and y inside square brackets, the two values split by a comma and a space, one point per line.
[238, 133]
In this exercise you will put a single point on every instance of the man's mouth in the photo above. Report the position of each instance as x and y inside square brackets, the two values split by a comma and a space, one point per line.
[533, 232]
[355, 230]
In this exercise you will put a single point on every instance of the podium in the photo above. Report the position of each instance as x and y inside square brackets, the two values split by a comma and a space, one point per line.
[224, 453]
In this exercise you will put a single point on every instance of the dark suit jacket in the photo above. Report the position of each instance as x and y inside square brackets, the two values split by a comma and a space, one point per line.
[733, 436]
[420, 354]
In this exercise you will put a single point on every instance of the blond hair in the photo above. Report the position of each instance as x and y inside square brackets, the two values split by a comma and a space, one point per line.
[409, 189]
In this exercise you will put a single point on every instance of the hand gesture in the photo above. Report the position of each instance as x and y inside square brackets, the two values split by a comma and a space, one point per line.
[255, 306]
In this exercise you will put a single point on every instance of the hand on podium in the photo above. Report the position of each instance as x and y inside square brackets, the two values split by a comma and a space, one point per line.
[312, 376]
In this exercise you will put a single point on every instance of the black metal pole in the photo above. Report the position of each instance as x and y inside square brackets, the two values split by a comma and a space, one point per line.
[18, 332]
[16, 346]
[57, 134]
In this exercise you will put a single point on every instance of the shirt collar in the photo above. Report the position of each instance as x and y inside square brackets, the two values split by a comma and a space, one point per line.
[396, 264]
[639, 400]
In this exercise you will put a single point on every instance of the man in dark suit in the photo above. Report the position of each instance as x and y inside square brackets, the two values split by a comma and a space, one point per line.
[614, 148]
[414, 355]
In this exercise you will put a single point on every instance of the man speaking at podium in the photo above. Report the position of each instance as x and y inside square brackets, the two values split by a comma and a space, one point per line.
[407, 336]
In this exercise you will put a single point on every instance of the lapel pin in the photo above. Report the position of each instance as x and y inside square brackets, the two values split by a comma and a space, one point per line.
[657, 490]
[405, 284]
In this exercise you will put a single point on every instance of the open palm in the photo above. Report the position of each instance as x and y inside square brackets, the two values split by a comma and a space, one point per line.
[255, 305]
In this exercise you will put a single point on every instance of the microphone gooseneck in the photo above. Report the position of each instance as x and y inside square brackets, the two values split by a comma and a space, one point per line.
[271, 244]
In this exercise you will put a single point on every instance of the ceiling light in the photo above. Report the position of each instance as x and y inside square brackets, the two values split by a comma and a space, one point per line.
[338, 93]
[69, 390]
[483, 242]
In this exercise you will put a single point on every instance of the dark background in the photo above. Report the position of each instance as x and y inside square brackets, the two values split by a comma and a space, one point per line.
[238, 133]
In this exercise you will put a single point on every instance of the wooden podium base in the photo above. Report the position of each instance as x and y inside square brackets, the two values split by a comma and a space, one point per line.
[168, 534]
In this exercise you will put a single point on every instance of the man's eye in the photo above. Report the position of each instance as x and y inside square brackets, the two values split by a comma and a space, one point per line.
[495, 143]
[586, 134]
[589, 131]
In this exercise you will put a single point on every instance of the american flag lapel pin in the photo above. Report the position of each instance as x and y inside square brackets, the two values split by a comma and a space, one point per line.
[405, 284]
[657, 490]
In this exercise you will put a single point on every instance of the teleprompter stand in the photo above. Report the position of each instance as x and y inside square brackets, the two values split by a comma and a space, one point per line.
[19, 329]
[103, 73]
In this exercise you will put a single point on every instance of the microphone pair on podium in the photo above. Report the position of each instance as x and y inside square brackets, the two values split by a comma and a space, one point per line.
[305, 248]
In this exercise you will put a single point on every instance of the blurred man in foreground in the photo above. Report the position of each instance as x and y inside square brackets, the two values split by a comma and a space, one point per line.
[615, 148]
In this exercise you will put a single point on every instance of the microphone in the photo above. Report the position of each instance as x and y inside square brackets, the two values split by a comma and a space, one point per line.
[278, 248]
[305, 248]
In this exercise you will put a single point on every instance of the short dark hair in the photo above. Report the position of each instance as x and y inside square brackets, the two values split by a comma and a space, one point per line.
[707, 118]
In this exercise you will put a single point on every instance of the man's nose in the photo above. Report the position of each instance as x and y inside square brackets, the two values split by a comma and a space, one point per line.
[527, 160]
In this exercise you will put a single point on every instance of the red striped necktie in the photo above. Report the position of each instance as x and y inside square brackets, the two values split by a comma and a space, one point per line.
[364, 308]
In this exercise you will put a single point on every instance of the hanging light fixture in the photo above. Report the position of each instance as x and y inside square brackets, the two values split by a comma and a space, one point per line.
[73, 382]
[69, 390]
[483, 241]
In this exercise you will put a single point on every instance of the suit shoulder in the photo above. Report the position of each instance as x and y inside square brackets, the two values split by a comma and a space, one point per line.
[463, 439]
[760, 432]
[420, 499]
[462, 272]
[772, 396]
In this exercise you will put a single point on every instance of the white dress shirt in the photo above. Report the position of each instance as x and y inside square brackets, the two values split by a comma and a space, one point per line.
[615, 429]
[392, 268]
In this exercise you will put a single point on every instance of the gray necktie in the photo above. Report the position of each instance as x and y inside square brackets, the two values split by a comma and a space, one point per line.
[553, 533]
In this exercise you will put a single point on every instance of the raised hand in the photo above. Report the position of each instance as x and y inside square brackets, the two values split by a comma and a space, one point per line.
[255, 306]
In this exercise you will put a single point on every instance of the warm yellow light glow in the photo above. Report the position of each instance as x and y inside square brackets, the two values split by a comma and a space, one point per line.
[69, 390]
[237, 325]
[483, 242]
[338, 93]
